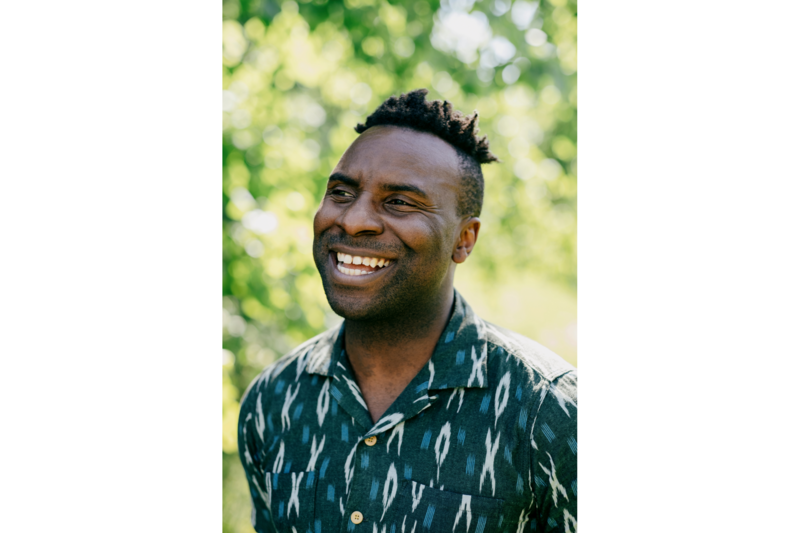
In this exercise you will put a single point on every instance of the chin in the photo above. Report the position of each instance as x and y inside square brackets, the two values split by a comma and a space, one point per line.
[355, 308]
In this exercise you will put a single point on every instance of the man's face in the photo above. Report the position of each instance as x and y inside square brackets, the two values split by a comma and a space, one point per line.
[392, 200]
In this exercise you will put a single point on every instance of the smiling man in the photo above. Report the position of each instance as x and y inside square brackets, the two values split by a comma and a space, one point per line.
[414, 415]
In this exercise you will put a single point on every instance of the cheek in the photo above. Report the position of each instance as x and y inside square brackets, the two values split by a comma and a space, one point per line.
[322, 219]
[427, 240]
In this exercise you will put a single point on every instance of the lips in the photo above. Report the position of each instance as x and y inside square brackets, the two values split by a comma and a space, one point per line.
[359, 268]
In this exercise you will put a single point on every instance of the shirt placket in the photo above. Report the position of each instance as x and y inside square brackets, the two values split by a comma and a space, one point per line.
[376, 472]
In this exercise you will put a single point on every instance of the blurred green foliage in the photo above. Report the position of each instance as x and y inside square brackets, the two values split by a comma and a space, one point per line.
[297, 77]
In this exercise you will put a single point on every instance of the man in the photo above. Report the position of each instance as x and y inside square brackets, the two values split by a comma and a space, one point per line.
[415, 415]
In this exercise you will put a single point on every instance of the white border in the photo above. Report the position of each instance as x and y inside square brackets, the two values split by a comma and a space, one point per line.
[111, 266]
[688, 266]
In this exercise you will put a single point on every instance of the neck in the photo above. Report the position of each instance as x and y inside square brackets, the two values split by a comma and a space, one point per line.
[400, 347]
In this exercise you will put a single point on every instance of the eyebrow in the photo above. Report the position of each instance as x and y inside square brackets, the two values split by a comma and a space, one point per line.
[389, 187]
[347, 180]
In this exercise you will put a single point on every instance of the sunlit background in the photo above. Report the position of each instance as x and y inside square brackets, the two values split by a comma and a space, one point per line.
[297, 77]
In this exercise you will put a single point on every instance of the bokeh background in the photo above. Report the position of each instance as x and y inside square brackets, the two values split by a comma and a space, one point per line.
[298, 76]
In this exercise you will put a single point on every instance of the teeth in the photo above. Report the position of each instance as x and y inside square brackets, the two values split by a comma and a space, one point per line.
[358, 260]
[352, 271]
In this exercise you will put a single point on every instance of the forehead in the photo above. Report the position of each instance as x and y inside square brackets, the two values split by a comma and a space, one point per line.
[392, 152]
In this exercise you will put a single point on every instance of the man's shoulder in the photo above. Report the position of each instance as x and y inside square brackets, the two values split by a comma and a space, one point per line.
[512, 348]
[315, 352]
[552, 380]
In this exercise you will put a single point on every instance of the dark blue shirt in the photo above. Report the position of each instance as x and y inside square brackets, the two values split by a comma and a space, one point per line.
[483, 440]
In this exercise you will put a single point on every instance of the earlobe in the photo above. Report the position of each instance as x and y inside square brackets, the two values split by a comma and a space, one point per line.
[460, 255]
[466, 239]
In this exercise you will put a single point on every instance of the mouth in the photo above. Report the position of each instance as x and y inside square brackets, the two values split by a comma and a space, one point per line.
[352, 267]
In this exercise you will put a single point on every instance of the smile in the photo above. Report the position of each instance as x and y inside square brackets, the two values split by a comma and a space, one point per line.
[356, 265]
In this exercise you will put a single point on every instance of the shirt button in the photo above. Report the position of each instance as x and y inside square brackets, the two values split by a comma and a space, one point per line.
[356, 517]
[370, 441]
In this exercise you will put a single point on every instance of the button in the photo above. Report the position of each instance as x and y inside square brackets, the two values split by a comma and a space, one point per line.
[356, 517]
[370, 441]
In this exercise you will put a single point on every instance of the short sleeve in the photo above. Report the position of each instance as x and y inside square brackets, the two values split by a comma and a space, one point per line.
[251, 458]
[554, 456]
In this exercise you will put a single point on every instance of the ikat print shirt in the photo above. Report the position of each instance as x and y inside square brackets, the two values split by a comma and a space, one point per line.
[483, 440]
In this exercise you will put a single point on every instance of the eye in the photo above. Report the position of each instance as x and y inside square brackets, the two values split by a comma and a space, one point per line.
[341, 193]
[397, 201]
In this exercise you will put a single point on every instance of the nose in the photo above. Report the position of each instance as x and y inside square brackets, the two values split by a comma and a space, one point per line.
[360, 217]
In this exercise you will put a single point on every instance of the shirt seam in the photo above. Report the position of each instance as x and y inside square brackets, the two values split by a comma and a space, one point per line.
[535, 505]
[548, 384]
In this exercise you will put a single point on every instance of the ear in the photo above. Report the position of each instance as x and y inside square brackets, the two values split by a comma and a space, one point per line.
[466, 239]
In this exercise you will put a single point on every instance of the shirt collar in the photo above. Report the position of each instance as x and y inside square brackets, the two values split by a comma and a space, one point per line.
[459, 359]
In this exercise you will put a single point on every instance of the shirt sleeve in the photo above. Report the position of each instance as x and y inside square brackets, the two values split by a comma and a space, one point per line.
[555, 457]
[250, 457]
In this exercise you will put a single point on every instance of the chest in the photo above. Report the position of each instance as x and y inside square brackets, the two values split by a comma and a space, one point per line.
[380, 395]
[452, 466]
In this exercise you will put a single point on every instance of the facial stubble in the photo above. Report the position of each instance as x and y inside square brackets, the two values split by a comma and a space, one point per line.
[402, 298]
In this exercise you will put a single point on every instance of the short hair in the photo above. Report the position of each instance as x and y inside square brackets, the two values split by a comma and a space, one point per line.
[411, 110]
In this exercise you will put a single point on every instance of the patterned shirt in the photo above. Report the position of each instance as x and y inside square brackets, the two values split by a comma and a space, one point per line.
[482, 440]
